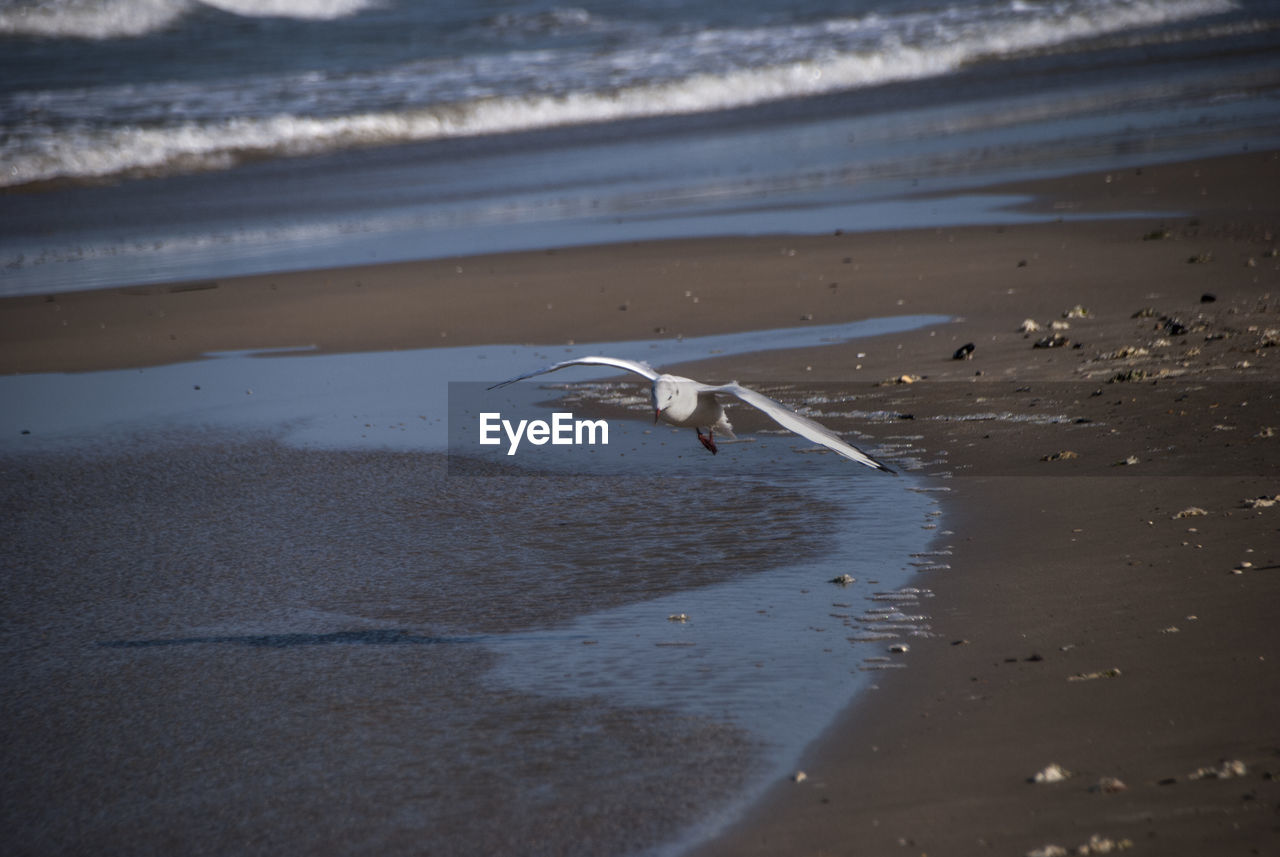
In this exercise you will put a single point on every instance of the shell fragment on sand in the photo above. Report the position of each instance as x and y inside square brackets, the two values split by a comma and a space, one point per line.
[1228, 769]
[1109, 785]
[1052, 773]
[1097, 844]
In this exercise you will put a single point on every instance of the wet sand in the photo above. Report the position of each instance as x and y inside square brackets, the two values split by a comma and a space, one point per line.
[1087, 619]
[220, 644]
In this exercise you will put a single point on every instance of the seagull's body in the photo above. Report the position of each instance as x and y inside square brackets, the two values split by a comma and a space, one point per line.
[687, 403]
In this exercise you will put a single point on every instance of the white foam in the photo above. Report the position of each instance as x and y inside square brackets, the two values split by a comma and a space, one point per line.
[321, 10]
[715, 70]
[115, 19]
[94, 19]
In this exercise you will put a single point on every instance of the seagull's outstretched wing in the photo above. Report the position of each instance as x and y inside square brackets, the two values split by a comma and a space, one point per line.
[802, 426]
[618, 362]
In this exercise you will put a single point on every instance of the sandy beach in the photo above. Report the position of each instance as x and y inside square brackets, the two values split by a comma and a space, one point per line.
[1112, 603]
[1117, 625]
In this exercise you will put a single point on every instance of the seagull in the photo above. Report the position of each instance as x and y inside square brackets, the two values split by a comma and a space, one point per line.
[687, 403]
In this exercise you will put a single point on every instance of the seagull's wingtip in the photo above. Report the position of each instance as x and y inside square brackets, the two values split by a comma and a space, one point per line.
[877, 465]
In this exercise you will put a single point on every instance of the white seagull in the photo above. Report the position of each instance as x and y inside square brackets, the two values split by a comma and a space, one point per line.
[688, 403]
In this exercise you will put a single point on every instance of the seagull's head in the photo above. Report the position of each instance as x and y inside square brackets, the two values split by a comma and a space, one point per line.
[664, 395]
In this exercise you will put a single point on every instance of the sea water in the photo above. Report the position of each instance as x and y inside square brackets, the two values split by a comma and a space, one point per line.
[176, 139]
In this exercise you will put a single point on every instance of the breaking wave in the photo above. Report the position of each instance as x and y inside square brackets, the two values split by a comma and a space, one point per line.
[175, 127]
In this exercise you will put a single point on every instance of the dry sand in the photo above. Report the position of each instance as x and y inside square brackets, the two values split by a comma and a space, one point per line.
[1082, 622]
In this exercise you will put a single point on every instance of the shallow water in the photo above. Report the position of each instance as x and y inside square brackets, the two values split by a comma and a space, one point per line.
[774, 654]
[388, 400]
[312, 636]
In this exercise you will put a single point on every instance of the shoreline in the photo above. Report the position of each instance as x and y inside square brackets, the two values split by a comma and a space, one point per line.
[1062, 568]
[678, 287]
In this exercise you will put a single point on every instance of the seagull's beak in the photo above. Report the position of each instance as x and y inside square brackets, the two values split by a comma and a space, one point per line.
[657, 412]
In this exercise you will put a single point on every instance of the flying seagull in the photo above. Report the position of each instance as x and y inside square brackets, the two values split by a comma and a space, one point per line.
[688, 403]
